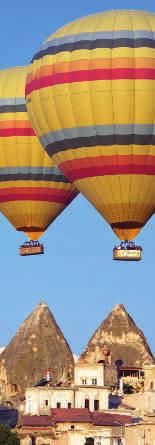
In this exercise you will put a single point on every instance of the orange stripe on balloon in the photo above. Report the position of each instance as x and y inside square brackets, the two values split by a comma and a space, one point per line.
[96, 63]
[15, 123]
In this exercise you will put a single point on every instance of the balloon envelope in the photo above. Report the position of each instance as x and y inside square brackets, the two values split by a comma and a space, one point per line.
[33, 191]
[92, 88]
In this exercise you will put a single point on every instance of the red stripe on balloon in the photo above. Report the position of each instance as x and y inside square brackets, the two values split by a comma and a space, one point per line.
[36, 194]
[90, 75]
[7, 132]
[106, 170]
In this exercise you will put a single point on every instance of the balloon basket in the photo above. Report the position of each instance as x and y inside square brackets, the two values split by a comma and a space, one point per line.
[127, 251]
[31, 248]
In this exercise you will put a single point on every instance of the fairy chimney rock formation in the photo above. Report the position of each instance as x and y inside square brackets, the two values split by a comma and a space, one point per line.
[37, 346]
[121, 338]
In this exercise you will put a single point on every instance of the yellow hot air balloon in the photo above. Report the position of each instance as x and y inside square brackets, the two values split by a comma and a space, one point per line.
[92, 90]
[33, 191]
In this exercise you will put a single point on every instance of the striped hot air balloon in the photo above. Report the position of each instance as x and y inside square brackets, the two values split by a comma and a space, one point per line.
[33, 191]
[92, 88]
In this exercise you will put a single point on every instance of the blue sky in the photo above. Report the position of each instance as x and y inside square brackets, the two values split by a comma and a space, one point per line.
[77, 276]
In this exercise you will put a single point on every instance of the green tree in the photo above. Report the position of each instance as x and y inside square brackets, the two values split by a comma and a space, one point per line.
[7, 437]
[128, 389]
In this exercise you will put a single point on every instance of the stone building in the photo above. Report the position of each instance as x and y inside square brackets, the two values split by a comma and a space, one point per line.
[149, 384]
[79, 427]
[149, 387]
[87, 391]
[142, 433]
[75, 427]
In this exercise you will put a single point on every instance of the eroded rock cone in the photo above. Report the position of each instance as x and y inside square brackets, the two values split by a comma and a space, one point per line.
[123, 340]
[38, 345]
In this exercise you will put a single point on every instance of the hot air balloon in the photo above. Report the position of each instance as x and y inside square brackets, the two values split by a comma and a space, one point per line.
[92, 89]
[33, 191]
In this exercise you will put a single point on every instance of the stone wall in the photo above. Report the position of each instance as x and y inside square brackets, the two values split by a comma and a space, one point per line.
[26, 441]
[149, 381]
[136, 401]
[143, 434]
[85, 372]
[40, 400]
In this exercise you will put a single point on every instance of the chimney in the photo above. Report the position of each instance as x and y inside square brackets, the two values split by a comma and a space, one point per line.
[48, 374]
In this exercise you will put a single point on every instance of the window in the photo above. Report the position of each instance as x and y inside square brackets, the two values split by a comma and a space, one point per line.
[84, 381]
[94, 381]
[89, 441]
[69, 405]
[58, 405]
[45, 402]
[86, 403]
[29, 405]
[96, 405]
[14, 388]
[152, 386]
[117, 441]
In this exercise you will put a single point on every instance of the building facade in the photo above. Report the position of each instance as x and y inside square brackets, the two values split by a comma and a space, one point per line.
[87, 391]
[74, 427]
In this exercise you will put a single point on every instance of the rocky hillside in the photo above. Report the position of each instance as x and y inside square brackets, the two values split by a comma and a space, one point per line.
[123, 338]
[38, 344]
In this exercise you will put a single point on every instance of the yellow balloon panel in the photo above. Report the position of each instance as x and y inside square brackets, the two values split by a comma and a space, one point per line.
[29, 218]
[91, 95]
[33, 191]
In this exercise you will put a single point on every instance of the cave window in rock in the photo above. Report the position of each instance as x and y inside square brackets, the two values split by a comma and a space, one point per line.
[14, 388]
[86, 403]
[152, 386]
